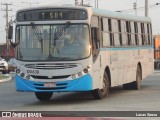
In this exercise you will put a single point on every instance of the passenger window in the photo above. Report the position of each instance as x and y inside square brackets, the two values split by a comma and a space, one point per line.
[119, 31]
[128, 31]
[106, 32]
[149, 33]
[143, 34]
[105, 25]
[136, 33]
[110, 31]
[115, 32]
[132, 33]
[139, 34]
[146, 33]
[124, 35]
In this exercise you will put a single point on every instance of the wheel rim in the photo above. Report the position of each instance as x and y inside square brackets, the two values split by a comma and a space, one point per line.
[104, 90]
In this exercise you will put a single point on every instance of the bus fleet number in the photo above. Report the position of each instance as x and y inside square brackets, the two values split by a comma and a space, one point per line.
[33, 71]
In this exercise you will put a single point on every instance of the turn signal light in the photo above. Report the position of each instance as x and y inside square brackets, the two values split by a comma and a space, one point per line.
[85, 70]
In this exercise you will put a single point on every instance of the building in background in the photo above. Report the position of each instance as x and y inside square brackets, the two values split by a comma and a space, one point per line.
[157, 51]
[3, 51]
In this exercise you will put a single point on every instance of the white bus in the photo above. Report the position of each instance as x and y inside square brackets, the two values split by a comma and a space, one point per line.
[75, 48]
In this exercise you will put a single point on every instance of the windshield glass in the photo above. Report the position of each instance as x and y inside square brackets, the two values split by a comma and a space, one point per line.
[53, 42]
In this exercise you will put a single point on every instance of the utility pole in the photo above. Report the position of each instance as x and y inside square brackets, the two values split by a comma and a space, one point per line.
[82, 2]
[146, 8]
[97, 3]
[7, 41]
[135, 7]
[30, 4]
[76, 2]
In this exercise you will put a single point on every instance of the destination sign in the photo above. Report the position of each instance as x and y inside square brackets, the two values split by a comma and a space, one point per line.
[52, 14]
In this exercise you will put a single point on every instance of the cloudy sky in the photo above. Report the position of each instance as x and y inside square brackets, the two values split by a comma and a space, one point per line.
[114, 5]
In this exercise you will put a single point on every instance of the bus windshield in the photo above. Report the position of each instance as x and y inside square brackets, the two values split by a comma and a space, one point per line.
[53, 42]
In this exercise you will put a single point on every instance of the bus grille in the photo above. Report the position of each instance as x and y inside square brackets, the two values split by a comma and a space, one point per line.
[53, 77]
[51, 66]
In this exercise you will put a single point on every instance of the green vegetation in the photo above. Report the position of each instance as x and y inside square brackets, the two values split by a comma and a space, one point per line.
[3, 77]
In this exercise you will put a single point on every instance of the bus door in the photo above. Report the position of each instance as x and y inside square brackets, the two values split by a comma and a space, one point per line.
[95, 52]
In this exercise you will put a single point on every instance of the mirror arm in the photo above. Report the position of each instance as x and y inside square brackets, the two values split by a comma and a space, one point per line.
[13, 44]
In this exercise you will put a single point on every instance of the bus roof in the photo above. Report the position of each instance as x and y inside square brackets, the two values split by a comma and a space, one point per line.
[111, 14]
[95, 11]
[53, 6]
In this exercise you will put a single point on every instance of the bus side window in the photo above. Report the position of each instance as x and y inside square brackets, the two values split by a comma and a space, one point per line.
[139, 34]
[105, 32]
[132, 33]
[110, 31]
[150, 28]
[119, 31]
[149, 33]
[128, 31]
[143, 34]
[136, 32]
[124, 35]
[146, 33]
[94, 32]
[115, 32]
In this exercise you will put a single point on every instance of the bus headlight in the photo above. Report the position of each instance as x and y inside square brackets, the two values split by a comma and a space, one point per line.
[27, 77]
[22, 74]
[17, 71]
[80, 74]
[73, 76]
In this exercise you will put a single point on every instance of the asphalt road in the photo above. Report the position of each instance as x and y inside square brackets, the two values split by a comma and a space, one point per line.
[146, 99]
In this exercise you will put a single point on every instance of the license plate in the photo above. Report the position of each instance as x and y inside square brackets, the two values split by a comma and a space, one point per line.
[49, 85]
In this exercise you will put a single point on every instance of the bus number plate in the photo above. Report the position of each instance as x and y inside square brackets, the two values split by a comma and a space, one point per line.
[49, 85]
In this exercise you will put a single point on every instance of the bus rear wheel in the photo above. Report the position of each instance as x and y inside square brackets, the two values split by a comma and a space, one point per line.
[43, 96]
[136, 84]
[101, 93]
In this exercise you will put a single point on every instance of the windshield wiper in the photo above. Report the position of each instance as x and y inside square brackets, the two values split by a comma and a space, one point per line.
[58, 58]
[37, 33]
[59, 30]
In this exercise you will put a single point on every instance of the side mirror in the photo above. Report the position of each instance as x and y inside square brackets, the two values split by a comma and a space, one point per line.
[10, 32]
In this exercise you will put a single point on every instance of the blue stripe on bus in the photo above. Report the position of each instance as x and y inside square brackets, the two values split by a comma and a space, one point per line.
[127, 48]
[81, 84]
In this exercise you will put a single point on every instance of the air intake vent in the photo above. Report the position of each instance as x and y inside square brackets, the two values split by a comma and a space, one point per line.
[51, 66]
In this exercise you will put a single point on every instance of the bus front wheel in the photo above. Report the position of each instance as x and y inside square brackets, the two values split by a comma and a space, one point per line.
[43, 96]
[101, 93]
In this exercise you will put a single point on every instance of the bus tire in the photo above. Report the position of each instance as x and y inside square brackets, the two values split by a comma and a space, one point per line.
[101, 93]
[4, 72]
[43, 96]
[136, 84]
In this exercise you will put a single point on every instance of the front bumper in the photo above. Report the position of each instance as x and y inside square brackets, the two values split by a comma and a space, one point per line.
[81, 84]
